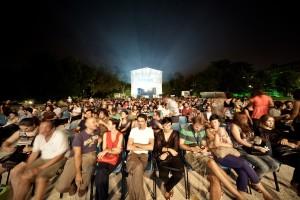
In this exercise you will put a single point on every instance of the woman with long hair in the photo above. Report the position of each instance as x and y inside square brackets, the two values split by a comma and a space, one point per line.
[283, 148]
[244, 141]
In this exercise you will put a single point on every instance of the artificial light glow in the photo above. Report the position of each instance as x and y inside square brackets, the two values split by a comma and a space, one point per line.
[146, 82]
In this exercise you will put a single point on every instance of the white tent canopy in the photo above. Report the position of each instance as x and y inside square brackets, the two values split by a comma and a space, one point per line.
[146, 82]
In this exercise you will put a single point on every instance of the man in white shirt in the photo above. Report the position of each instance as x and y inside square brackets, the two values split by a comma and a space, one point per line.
[52, 145]
[172, 106]
[141, 140]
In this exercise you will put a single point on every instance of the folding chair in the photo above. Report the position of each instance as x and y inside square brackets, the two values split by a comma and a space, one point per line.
[152, 166]
[187, 167]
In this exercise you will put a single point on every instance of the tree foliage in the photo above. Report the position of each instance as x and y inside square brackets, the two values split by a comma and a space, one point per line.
[236, 77]
[45, 77]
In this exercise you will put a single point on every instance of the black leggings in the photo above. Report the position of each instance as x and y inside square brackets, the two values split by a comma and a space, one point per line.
[175, 166]
[102, 180]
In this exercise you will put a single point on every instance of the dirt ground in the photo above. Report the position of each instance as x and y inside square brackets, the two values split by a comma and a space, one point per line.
[199, 188]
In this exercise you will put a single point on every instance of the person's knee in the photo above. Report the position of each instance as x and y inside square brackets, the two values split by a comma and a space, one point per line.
[178, 175]
[211, 163]
[245, 163]
[139, 168]
[275, 166]
[163, 175]
[262, 169]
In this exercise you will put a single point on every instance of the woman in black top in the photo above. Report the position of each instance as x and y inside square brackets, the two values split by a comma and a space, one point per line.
[282, 147]
[166, 152]
[124, 125]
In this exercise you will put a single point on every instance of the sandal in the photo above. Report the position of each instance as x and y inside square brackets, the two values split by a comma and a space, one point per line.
[168, 195]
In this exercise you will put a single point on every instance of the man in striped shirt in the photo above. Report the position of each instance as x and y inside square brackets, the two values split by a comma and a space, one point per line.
[193, 141]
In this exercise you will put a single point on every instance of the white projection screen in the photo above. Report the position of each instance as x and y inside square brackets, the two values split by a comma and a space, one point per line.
[146, 82]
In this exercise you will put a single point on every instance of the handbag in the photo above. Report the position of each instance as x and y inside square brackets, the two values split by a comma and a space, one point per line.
[222, 152]
[109, 158]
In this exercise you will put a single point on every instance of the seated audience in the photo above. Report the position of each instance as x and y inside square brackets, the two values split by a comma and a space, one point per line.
[222, 148]
[193, 141]
[51, 144]
[245, 142]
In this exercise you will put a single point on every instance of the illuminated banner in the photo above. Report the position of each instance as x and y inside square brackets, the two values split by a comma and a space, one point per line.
[146, 82]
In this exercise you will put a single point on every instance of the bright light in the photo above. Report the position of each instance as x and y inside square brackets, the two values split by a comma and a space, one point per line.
[146, 82]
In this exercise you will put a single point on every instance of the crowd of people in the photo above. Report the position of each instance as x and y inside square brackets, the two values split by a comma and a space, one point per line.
[252, 136]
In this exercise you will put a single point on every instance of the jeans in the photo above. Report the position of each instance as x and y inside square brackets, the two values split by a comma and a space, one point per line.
[262, 164]
[243, 169]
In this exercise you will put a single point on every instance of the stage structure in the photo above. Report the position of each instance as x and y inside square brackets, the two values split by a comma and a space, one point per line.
[146, 82]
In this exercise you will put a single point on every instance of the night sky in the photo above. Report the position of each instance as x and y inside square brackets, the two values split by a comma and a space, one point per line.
[175, 35]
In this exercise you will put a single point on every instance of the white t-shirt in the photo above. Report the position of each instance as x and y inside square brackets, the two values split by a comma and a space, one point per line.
[57, 145]
[76, 111]
[141, 136]
[173, 107]
[57, 111]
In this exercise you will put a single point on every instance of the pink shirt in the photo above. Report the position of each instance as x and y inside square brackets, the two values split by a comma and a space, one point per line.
[261, 105]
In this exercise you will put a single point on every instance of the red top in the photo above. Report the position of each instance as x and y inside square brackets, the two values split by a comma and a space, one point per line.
[261, 105]
[112, 144]
[109, 157]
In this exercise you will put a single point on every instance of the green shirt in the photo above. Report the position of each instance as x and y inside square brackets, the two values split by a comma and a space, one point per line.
[191, 137]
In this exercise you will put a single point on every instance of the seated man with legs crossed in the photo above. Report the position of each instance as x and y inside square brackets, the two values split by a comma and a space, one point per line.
[79, 167]
[192, 140]
[52, 144]
[141, 140]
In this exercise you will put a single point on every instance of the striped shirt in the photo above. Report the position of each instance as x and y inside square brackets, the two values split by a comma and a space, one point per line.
[191, 137]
